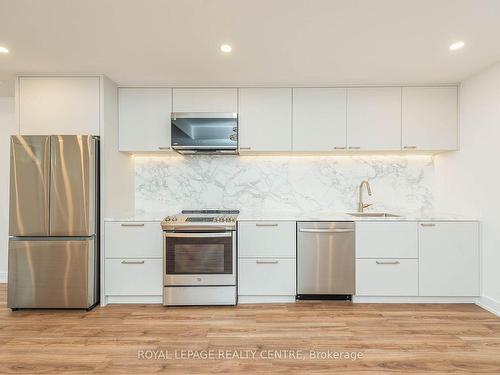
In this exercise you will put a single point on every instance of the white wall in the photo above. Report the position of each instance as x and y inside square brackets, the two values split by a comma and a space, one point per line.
[7, 127]
[468, 181]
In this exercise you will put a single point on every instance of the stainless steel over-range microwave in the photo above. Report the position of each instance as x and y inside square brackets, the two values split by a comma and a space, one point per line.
[204, 132]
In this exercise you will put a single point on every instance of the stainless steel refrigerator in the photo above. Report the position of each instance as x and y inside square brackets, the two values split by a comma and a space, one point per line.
[54, 222]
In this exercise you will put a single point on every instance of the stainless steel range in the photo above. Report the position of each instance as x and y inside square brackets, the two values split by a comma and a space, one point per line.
[199, 258]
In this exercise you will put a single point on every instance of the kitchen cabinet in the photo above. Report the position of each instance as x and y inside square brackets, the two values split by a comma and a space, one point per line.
[144, 119]
[59, 105]
[267, 239]
[319, 119]
[449, 259]
[205, 100]
[266, 277]
[133, 277]
[374, 118]
[133, 262]
[386, 240]
[387, 277]
[266, 261]
[265, 119]
[430, 118]
[133, 239]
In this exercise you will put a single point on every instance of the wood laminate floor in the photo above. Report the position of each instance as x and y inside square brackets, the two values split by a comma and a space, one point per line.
[396, 338]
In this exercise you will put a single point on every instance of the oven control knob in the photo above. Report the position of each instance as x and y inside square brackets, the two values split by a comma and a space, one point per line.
[174, 219]
[168, 218]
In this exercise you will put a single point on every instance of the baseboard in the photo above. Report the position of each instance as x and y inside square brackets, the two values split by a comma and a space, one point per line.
[133, 300]
[3, 277]
[265, 299]
[489, 304]
[416, 299]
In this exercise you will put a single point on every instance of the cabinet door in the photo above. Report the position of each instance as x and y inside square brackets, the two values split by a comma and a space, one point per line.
[265, 121]
[386, 240]
[449, 259]
[133, 277]
[374, 118]
[144, 119]
[267, 239]
[319, 119]
[59, 105]
[386, 277]
[133, 239]
[260, 277]
[205, 100]
[430, 118]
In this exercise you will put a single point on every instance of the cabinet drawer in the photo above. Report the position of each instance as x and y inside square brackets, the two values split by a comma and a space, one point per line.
[387, 277]
[386, 240]
[133, 277]
[133, 240]
[266, 276]
[267, 239]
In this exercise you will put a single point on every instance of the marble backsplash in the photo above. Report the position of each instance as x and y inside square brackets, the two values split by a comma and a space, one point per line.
[294, 184]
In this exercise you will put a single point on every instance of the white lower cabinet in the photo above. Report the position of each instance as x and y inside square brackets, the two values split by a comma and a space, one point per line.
[266, 261]
[449, 259]
[133, 277]
[133, 239]
[425, 259]
[133, 264]
[267, 238]
[266, 277]
[386, 240]
[387, 277]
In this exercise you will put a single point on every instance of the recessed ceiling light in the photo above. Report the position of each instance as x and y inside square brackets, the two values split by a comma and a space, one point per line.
[4, 50]
[457, 45]
[226, 48]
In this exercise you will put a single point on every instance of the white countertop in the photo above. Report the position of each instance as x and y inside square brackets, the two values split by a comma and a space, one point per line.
[342, 216]
[321, 216]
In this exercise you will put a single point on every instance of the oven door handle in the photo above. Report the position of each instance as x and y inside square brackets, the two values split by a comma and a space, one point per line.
[198, 235]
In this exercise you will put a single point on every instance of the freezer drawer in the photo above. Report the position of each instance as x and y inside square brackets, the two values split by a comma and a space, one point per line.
[52, 273]
[325, 258]
[29, 185]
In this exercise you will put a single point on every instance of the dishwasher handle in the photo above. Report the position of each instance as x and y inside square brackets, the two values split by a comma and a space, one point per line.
[326, 230]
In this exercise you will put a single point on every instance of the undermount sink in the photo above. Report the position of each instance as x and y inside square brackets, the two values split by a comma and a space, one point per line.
[372, 214]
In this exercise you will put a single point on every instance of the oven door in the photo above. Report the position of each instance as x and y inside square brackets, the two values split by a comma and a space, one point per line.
[207, 258]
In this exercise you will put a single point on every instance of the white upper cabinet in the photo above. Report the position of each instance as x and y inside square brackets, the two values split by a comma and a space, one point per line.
[144, 118]
[59, 105]
[374, 118]
[449, 259]
[319, 119]
[205, 100]
[430, 118]
[265, 119]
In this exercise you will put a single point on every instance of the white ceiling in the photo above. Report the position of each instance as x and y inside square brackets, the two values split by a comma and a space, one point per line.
[275, 42]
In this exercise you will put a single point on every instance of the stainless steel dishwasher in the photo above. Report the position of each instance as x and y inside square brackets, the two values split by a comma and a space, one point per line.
[325, 260]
